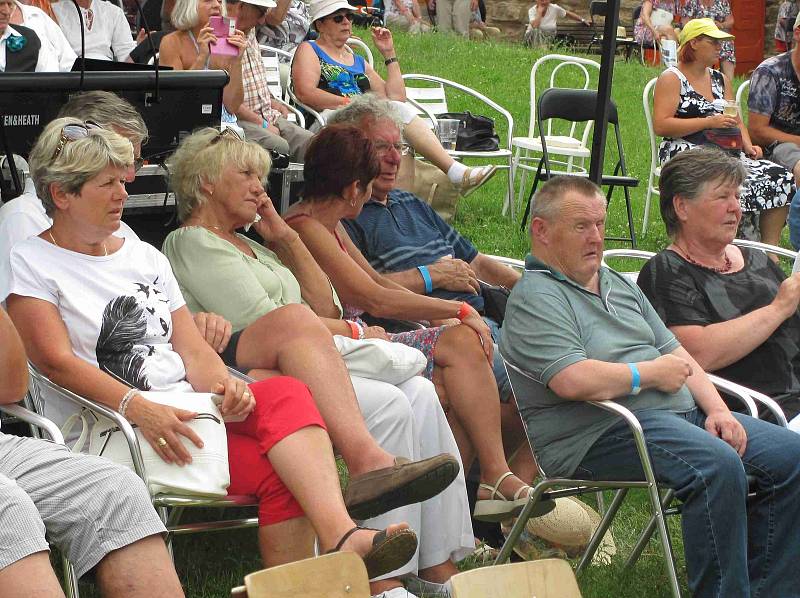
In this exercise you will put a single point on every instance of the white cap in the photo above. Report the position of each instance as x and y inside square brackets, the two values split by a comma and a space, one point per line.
[263, 3]
[323, 8]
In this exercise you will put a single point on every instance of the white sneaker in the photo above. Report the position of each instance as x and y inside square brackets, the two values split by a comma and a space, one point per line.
[426, 588]
[398, 592]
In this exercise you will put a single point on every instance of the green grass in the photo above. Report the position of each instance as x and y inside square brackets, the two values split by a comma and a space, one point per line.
[209, 564]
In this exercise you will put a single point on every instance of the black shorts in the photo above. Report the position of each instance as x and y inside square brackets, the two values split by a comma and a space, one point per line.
[229, 354]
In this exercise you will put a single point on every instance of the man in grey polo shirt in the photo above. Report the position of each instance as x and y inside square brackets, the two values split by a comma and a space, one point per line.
[584, 333]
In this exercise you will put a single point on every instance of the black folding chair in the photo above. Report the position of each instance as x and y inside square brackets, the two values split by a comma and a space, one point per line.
[578, 105]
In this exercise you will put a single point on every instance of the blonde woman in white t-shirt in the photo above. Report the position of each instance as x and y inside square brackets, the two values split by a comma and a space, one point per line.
[103, 317]
[542, 22]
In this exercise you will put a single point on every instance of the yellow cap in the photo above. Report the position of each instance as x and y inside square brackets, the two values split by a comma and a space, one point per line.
[697, 27]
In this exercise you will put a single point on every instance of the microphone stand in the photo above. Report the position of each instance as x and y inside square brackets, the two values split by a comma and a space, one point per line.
[83, 43]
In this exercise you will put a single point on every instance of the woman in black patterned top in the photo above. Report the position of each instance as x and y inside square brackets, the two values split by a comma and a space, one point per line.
[732, 308]
[688, 106]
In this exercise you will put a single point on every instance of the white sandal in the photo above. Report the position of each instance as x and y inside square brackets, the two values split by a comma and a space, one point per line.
[497, 507]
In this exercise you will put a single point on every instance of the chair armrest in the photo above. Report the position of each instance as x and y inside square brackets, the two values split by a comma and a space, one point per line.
[34, 419]
[124, 425]
[739, 391]
[240, 376]
[508, 261]
[316, 115]
[471, 92]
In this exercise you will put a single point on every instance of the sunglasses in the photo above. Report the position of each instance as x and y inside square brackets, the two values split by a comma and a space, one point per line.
[227, 132]
[73, 132]
[341, 17]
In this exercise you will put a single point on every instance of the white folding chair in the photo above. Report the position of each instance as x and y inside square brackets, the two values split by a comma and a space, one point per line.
[271, 60]
[572, 144]
[655, 165]
[356, 46]
[744, 87]
[430, 99]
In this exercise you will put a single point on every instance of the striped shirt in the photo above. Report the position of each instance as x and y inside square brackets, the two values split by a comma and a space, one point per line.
[254, 81]
[405, 233]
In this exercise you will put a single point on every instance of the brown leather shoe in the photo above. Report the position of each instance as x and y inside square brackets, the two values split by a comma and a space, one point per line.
[405, 483]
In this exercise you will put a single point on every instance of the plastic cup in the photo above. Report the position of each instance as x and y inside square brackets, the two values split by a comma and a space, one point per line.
[448, 132]
[730, 108]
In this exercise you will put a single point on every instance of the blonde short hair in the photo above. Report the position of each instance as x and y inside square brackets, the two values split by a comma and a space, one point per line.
[201, 158]
[184, 14]
[78, 162]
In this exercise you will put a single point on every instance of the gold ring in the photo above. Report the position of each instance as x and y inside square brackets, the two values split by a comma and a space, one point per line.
[162, 442]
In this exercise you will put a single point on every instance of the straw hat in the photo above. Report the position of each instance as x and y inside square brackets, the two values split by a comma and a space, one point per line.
[569, 527]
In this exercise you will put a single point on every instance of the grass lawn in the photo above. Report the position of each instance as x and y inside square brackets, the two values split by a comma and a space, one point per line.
[210, 564]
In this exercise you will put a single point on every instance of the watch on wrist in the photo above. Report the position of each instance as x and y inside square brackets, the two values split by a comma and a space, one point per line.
[389, 61]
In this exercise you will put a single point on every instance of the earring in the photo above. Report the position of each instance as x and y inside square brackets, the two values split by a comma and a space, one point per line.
[352, 203]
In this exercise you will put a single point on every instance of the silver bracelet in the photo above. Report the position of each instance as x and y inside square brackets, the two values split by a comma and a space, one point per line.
[123, 404]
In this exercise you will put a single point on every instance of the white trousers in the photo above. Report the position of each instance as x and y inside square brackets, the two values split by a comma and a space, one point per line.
[407, 420]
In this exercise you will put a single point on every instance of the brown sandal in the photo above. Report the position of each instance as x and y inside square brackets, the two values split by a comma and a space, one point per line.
[388, 552]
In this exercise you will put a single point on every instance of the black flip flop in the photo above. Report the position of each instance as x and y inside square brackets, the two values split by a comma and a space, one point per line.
[388, 552]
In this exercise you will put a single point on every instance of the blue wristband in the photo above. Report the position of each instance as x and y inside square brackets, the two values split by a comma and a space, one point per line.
[264, 123]
[636, 379]
[426, 277]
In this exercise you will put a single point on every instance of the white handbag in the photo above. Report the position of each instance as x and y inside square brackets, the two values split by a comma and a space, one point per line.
[660, 17]
[206, 475]
[377, 359]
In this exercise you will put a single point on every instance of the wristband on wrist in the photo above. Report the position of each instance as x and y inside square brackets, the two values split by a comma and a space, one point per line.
[126, 399]
[464, 311]
[426, 277]
[264, 124]
[636, 379]
[356, 330]
[389, 61]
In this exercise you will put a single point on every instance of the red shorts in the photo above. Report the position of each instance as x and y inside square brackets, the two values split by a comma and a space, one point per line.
[283, 406]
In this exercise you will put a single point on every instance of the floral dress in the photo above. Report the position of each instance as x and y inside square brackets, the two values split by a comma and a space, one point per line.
[641, 32]
[718, 11]
[767, 185]
[341, 79]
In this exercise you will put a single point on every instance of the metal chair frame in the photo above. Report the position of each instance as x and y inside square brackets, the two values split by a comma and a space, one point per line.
[169, 506]
[270, 57]
[430, 101]
[573, 147]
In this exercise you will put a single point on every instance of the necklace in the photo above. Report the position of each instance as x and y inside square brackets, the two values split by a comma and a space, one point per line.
[53, 239]
[691, 260]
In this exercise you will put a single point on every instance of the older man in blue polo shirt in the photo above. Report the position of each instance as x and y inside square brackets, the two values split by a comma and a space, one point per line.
[585, 333]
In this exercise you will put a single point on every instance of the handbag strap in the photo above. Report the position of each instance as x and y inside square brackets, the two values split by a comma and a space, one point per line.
[70, 423]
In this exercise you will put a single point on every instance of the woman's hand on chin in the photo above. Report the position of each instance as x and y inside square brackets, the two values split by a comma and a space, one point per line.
[271, 227]
[163, 427]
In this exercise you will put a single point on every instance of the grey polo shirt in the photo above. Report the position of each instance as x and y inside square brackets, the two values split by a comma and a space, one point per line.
[552, 322]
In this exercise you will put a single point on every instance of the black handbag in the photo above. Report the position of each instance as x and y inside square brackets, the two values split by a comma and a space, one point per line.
[494, 301]
[475, 132]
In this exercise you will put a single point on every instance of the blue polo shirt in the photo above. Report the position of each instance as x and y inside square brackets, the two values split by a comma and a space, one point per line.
[551, 323]
[405, 233]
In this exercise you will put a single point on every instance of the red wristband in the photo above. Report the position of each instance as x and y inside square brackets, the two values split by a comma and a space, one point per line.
[354, 331]
[464, 311]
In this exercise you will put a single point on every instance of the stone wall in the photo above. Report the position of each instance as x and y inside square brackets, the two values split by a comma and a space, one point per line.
[512, 15]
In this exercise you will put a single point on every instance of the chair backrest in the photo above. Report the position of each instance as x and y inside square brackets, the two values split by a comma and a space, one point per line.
[427, 101]
[545, 578]
[629, 254]
[565, 69]
[647, 104]
[775, 250]
[336, 575]
[271, 62]
[744, 87]
[356, 46]
[577, 105]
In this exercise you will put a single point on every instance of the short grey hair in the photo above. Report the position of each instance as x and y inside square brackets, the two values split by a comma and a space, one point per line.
[78, 162]
[546, 202]
[109, 111]
[202, 157]
[366, 109]
[184, 14]
[688, 174]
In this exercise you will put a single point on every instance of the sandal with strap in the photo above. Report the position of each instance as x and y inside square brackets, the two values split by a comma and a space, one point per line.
[498, 508]
[387, 553]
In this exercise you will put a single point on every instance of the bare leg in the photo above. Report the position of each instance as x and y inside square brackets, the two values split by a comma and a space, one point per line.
[140, 570]
[425, 142]
[286, 542]
[30, 576]
[461, 367]
[292, 339]
[518, 451]
[439, 573]
[727, 69]
[304, 461]
[796, 173]
[772, 223]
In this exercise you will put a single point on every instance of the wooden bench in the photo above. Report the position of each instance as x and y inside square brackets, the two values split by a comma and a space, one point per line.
[576, 36]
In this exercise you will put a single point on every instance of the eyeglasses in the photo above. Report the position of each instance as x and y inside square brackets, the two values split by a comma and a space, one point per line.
[89, 19]
[227, 132]
[137, 164]
[341, 17]
[401, 148]
[73, 132]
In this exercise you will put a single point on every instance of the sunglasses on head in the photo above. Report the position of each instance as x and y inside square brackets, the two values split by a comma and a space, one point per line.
[73, 132]
[338, 18]
[227, 132]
